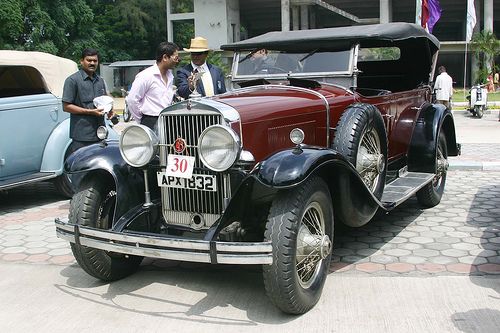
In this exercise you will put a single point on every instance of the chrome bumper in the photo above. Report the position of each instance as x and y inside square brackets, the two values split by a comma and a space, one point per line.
[167, 248]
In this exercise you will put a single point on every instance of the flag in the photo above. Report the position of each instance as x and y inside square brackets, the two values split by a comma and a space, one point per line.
[471, 20]
[434, 10]
[428, 12]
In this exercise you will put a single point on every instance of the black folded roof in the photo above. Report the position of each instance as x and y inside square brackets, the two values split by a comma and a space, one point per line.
[338, 38]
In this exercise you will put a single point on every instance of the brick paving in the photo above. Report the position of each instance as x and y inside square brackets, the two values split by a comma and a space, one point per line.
[460, 236]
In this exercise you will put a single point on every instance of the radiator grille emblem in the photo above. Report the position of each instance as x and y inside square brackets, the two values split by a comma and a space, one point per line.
[179, 145]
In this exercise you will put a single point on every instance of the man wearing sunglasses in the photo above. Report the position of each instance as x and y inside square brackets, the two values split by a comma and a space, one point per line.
[152, 89]
[211, 82]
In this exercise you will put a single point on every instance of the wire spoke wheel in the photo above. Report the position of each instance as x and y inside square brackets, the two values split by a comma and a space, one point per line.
[313, 245]
[300, 228]
[370, 161]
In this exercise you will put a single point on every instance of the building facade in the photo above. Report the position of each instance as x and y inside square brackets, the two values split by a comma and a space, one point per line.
[226, 21]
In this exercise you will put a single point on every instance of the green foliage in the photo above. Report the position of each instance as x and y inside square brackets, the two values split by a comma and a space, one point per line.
[182, 32]
[181, 6]
[119, 29]
[486, 46]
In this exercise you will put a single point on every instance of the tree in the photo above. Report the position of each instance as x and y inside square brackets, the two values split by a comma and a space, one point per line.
[60, 27]
[486, 46]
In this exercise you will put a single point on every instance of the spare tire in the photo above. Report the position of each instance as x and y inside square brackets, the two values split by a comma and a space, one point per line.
[361, 138]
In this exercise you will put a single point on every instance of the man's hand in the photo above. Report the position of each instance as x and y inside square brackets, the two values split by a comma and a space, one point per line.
[191, 82]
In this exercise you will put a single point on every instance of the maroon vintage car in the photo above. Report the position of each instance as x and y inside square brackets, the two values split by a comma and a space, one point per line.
[321, 126]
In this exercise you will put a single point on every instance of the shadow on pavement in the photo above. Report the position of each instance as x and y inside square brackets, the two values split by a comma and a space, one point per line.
[30, 196]
[182, 291]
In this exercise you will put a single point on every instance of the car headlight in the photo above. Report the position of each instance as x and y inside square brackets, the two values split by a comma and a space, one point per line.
[218, 147]
[138, 145]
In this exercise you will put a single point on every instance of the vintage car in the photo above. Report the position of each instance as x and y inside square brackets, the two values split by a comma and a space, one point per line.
[336, 125]
[33, 125]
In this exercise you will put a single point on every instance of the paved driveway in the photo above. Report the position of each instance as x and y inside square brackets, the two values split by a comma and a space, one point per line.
[415, 270]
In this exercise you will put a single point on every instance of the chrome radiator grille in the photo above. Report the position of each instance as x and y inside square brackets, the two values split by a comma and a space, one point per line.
[195, 208]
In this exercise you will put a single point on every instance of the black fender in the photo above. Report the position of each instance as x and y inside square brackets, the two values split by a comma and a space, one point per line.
[432, 119]
[353, 202]
[104, 161]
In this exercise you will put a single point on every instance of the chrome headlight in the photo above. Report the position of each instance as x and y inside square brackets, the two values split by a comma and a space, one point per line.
[218, 147]
[138, 145]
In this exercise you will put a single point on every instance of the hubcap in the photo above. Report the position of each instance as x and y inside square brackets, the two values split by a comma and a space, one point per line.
[313, 245]
[370, 161]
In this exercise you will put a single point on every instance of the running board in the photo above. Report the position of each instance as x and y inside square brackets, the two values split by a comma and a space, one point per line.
[27, 179]
[403, 187]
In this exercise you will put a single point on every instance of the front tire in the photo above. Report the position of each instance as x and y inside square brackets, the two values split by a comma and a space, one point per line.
[94, 207]
[361, 138]
[430, 195]
[300, 227]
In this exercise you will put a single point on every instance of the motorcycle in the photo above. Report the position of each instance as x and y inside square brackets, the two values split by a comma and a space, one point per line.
[478, 100]
[127, 115]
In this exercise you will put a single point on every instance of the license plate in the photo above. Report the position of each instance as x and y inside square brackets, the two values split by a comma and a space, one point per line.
[196, 182]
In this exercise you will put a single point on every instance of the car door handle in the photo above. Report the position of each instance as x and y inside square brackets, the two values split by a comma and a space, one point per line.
[415, 108]
[54, 114]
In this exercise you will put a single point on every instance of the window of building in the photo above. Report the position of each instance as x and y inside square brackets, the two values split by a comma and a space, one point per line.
[181, 6]
[183, 31]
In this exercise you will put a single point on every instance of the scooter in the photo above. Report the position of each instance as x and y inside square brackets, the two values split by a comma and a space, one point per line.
[478, 100]
[127, 115]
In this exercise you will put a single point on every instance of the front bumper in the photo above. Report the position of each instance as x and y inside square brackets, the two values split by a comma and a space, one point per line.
[166, 247]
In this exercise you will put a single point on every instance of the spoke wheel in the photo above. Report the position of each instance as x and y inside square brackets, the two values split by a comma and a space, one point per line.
[361, 139]
[300, 227]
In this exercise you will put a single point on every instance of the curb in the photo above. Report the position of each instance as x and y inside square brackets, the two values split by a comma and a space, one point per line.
[473, 165]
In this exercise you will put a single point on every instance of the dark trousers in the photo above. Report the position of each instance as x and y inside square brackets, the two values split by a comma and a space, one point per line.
[149, 121]
[75, 145]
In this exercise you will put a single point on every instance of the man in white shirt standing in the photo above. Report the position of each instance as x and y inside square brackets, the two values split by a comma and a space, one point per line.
[152, 89]
[443, 87]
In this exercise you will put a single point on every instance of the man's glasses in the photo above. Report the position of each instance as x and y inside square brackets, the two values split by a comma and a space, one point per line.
[175, 58]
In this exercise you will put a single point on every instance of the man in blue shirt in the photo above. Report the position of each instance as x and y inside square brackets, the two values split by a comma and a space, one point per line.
[79, 91]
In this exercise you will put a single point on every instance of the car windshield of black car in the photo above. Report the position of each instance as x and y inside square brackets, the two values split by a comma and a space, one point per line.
[279, 63]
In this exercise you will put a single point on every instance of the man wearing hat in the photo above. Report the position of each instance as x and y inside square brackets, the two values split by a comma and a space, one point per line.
[211, 82]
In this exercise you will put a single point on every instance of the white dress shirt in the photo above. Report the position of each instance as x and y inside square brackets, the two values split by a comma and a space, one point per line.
[443, 87]
[150, 94]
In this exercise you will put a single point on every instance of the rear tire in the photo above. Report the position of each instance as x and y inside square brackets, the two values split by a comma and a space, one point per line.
[300, 227]
[430, 195]
[94, 207]
[479, 111]
[63, 186]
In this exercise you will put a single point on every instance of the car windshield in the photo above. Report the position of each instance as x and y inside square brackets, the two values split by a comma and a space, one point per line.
[265, 63]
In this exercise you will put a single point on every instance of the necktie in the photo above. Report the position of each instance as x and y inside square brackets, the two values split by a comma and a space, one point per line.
[206, 78]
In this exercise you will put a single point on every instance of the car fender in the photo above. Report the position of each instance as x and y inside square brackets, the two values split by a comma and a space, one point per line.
[353, 202]
[104, 161]
[432, 119]
[55, 148]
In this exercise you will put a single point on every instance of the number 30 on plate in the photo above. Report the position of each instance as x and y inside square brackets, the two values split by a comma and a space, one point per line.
[180, 166]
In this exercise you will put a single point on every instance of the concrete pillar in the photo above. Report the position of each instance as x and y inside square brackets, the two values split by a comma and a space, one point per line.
[285, 15]
[488, 15]
[312, 18]
[304, 17]
[385, 11]
[295, 18]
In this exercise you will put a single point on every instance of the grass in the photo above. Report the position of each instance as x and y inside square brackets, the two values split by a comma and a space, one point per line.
[459, 96]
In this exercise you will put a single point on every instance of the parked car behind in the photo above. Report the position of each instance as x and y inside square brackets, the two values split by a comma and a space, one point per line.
[337, 126]
[34, 129]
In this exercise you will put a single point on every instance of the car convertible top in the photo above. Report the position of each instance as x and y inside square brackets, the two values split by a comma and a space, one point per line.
[339, 38]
